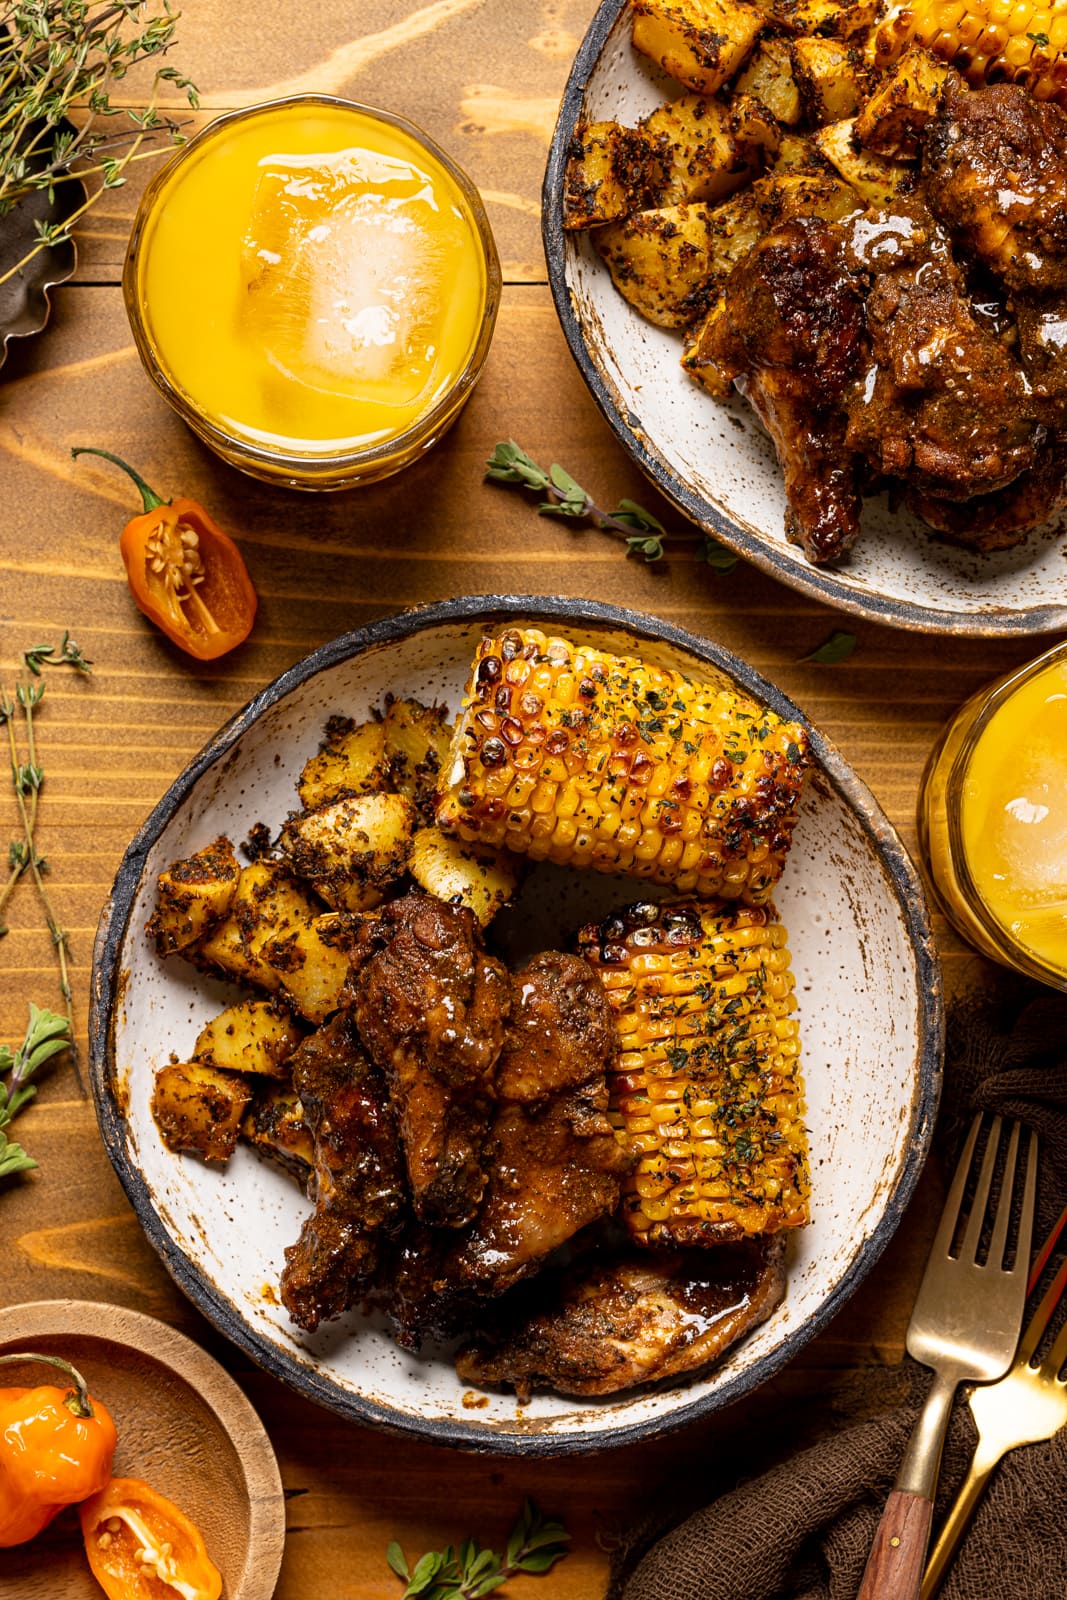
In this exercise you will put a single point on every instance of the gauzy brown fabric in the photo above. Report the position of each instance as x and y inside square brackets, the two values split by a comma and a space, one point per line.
[802, 1530]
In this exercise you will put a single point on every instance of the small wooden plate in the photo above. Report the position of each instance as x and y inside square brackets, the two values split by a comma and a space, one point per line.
[184, 1426]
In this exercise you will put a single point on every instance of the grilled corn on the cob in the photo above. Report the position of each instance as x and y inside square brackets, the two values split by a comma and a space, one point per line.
[563, 752]
[708, 1085]
[989, 41]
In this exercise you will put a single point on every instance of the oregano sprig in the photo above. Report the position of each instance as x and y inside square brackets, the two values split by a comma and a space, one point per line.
[466, 1573]
[642, 533]
[67, 653]
[46, 1035]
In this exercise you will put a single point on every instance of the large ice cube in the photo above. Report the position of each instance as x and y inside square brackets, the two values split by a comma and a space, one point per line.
[345, 262]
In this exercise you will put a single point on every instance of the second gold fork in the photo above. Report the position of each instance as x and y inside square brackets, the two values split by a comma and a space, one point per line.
[1028, 1404]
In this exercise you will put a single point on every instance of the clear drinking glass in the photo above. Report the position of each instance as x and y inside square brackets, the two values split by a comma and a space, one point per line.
[278, 459]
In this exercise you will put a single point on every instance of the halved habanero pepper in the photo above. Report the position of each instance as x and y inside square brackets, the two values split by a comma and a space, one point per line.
[185, 574]
[141, 1547]
[56, 1447]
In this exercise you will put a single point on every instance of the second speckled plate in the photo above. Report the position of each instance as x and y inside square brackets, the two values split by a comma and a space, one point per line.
[715, 462]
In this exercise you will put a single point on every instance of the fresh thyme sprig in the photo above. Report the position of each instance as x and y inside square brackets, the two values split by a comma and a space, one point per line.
[46, 1036]
[27, 779]
[66, 654]
[642, 533]
[64, 56]
[469, 1572]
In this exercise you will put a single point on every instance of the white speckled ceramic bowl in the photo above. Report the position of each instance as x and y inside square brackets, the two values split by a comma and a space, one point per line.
[870, 1008]
[714, 461]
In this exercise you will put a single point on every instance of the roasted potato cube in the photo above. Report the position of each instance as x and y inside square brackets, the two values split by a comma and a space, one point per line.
[611, 171]
[873, 177]
[354, 849]
[659, 261]
[699, 42]
[274, 1125]
[253, 1036]
[351, 761]
[828, 18]
[199, 1108]
[709, 149]
[827, 78]
[192, 896]
[417, 740]
[892, 121]
[470, 875]
[797, 152]
[268, 900]
[768, 77]
[699, 364]
[310, 966]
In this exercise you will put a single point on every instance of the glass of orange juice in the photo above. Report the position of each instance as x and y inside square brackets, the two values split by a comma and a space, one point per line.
[313, 284]
[993, 818]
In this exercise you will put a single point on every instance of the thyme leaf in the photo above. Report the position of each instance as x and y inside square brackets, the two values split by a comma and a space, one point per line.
[641, 532]
[837, 648]
[534, 1545]
[66, 654]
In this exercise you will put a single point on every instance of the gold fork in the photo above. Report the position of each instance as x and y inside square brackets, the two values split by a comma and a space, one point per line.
[1027, 1405]
[965, 1324]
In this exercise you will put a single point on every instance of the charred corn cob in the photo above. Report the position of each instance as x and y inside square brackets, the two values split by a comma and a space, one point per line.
[708, 1085]
[565, 753]
[989, 41]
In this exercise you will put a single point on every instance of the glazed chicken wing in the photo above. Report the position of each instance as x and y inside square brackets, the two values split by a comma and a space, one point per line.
[995, 173]
[431, 1008]
[555, 1163]
[357, 1182]
[791, 337]
[943, 405]
[629, 1321]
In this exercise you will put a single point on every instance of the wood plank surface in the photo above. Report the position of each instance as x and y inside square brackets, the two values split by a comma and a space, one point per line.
[484, 76]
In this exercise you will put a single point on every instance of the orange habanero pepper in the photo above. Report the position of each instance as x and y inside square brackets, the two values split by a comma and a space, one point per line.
[185, 574]
[56, 1447]
[141, 1547]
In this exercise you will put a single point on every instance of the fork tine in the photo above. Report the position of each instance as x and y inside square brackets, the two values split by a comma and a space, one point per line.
[1035, 1328]
[1042, 1257]
[954, 1200]
[1008, 1188]
[969, 1246]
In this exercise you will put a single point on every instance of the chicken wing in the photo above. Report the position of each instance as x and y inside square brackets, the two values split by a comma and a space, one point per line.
[630, 1321]
[357, 1182]
[431, 1008]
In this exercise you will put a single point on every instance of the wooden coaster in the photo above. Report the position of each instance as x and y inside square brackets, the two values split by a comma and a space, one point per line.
[184, 1427]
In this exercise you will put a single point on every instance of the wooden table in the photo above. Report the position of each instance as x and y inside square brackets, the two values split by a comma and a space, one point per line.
[484, 77]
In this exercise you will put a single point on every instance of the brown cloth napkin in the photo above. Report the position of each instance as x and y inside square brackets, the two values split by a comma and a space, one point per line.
[802, 1529]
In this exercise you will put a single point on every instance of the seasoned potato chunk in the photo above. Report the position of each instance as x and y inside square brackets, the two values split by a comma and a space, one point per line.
[699, 42]
[740, 222]
[354, 849]
[827, 78]
[267, 902]
[611, 171]
[254, 1036]
[709, 149]
[894, 117]
[873, 177]
[768, 77]
[274, 1125]
[310, 966]
[351, 761]
[659, 261]
[199, 1108]
[468, 875]
[192, 896]
[417, 739]
[836, 19]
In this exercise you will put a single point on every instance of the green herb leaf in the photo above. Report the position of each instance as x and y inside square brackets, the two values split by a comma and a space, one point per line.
[650, 546]
[395, 1557]
[635, 516]
[718, 557]
[1040, 39]
[838, 647]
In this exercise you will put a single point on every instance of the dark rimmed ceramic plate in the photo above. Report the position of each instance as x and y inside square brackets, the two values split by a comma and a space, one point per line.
[714, 461]
[25, 305]
[870, 1007]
